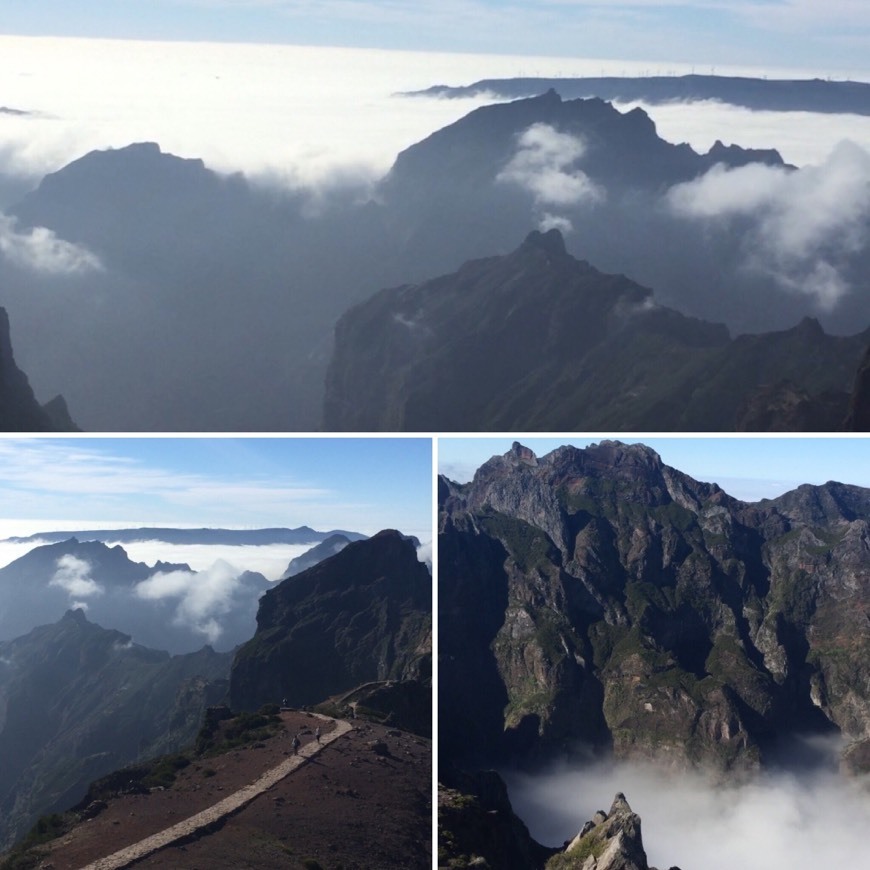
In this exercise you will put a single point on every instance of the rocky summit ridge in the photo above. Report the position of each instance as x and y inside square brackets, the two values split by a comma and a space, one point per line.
[601, 596]
[554, 344]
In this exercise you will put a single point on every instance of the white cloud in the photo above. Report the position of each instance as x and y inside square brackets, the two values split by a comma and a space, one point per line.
[40, 250]
[555, 222]
[800, 223]
[202, 597]
[73, 575]
[544, 164]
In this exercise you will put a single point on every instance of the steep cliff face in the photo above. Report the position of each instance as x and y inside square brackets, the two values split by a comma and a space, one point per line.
[622, 603]
[362, 615]
[19, 409]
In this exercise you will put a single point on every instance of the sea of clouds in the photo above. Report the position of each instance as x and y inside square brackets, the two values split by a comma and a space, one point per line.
[785, 820]
[307, 115]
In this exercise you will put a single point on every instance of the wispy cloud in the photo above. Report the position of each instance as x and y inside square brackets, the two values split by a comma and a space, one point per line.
[39, 471]
[202, 598]
[41, 250]
[73, 575]
[802, 224]
[545, 164]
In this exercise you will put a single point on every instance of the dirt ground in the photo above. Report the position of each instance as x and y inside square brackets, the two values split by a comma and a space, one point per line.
[362, 803]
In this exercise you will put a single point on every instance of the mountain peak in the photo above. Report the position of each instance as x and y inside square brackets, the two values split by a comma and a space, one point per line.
[550, 241]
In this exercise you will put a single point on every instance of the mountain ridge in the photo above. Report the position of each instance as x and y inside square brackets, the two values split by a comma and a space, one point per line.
[620, 603]
[557, 345]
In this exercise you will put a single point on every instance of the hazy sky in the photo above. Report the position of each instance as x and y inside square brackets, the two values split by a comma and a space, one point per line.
[358, 484]
[831, 37]
[746, 468]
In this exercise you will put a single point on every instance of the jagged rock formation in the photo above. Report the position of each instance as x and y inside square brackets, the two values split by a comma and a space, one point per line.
[477, 828]
[19, 409]
[599, 595]
[78, 701]
[537, 340]
[610, 841]
[361, 616]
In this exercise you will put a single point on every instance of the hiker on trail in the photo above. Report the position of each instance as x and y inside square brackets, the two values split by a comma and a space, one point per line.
[295, 744]
[317, 734]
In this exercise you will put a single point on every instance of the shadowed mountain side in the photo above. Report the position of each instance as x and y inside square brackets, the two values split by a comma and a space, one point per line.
[19, 409]
[78, 701]
[772, 95]
[538, 340]
[251, 276]
[619, 603]
[361, 616]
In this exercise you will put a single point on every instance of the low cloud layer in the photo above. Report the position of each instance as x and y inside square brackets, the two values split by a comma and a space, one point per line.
[798, 227]
[784, 821]
[41, 250]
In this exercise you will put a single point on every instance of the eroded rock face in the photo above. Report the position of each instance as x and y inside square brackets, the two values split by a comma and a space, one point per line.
[601, 596]
[610, 841]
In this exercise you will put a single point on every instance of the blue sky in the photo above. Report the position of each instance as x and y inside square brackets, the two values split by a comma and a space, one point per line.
[746, 468]
[829, 38]
[359, 484]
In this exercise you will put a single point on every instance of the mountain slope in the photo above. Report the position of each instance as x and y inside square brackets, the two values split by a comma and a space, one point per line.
[78, 701]
[362, 615]
[539, 340]
[599, 595]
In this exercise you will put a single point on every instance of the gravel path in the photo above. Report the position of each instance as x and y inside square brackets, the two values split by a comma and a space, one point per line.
[236, 801]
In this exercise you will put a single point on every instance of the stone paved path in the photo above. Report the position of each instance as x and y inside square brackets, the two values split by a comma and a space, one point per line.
[135, 852]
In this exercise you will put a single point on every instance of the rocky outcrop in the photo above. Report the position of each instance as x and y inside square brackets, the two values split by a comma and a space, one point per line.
[477, 828]
[610, 841]
[601, 596]
[556, 345]
[363, 615]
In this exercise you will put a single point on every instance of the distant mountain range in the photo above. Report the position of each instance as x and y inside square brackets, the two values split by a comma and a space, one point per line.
[164, 606]
[556, 345]
[256, 279]
[205, 536]
[770, 95]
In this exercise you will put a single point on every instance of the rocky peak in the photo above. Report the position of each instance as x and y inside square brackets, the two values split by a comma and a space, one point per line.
[610, 841]
[551, 242]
